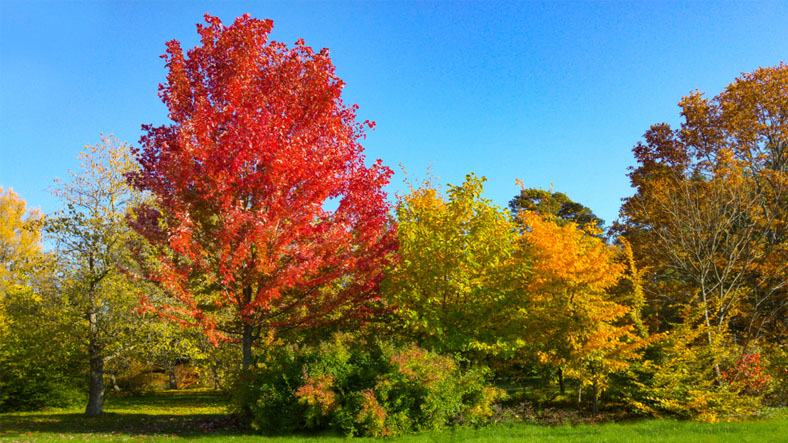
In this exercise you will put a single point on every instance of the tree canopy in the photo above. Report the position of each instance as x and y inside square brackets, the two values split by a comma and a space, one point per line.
[260, 147]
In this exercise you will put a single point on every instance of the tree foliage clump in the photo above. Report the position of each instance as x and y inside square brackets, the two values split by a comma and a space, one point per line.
[450, 287]
[556, 205]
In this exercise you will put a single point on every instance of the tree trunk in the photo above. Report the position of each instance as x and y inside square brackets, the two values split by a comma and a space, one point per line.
[114, 380]
[173, 380]
[561, 380]
[215, 373]
[580, 393]
[247, 347]
[246, 340]
[717, 372]
[96, 389]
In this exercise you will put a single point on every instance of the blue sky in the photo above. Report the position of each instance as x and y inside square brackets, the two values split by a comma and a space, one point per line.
[547, 92]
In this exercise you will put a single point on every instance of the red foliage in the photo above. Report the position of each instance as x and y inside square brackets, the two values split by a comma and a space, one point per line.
[749, 371]
[260, 141]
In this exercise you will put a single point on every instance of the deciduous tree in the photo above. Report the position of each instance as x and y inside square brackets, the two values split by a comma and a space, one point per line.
[710, 217]
[555, 204]
[20, 240]
[574, 321]
[91, 236]
[452, 285]
[261, 194]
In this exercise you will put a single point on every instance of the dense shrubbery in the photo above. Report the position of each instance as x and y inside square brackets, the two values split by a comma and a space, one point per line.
[680, 381]
[361, 388]
[40, 365]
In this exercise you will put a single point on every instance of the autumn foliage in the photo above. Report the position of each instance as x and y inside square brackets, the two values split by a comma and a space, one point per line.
[243, 181]
[708, 225]
[253, 217]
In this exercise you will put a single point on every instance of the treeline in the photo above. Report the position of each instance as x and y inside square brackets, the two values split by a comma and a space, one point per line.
[208, 256]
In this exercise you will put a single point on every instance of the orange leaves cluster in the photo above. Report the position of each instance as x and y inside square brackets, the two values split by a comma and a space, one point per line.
[567, 255]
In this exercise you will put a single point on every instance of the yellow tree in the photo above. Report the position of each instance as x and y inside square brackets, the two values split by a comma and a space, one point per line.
[451, 286]
[20, 239]
[20, 248]
[39, 362]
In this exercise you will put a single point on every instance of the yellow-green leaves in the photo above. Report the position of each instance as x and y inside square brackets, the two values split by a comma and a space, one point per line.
[455, 260]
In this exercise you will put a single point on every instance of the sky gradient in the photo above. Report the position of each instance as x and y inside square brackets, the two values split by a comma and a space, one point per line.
[548, 92]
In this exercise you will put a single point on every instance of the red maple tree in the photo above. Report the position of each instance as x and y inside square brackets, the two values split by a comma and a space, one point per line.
[260, 145]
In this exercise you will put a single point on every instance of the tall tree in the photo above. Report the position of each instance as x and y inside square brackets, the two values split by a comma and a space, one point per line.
[709, 220]
[575, 322]
[91, 234]
[261, 147]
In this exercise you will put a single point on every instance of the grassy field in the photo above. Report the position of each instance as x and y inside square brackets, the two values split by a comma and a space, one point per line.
[200, 415]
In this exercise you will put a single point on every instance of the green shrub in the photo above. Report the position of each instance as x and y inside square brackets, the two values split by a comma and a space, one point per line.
[42, 364]
[361, 388]
[777, 370]
[31, 386]
[678, 377]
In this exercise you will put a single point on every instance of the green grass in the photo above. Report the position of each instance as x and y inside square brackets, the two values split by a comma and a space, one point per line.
[194, 414]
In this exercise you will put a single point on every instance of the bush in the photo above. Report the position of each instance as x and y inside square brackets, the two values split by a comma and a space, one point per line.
[361, 388]
[777, 372]
[678, 378]
[41, 363]
[31, 389]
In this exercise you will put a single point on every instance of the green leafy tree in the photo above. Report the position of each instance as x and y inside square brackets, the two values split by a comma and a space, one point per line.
[92, 236]
[554, 204]
[451, 284]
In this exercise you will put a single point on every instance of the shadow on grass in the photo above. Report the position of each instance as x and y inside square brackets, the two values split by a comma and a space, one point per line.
[132, 424]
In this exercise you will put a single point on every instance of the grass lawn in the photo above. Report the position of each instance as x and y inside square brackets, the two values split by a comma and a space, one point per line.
[194, 414]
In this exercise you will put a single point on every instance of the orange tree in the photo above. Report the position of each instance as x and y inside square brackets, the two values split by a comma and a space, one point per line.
[575, 320]
[243, 181]
[710, 216]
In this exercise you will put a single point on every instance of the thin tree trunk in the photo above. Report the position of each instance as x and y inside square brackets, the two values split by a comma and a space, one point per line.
[717, 372]
[215, 376]
[96, 388]
[246, 339]
[247, 347]
[114, 380]
[561, 380]
[595, 409]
